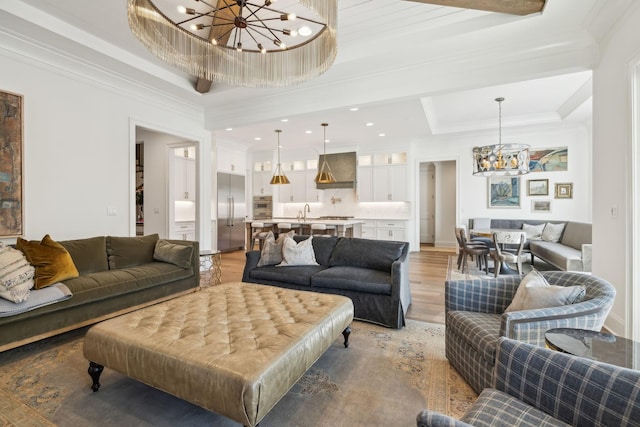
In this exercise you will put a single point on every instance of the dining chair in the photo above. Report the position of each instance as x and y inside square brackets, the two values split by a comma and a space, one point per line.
[467, 248]
[501, 255]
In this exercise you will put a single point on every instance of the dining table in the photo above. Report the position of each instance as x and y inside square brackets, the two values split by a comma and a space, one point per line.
[487, 233]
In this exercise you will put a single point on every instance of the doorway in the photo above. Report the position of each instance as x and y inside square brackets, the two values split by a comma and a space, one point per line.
[158, 203]
[437, 201]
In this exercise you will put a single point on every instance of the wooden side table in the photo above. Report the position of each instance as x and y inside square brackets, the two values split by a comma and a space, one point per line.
[211, 265]
[595, 345]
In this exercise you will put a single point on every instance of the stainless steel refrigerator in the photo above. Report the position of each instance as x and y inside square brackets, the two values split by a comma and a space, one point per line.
[231, 212]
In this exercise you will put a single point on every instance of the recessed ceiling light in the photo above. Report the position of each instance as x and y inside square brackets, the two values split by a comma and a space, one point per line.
[257, 138]
[284, 120]
[229, 129]
[369, 124]
[308, 131]
[382, 134]
[353, 109]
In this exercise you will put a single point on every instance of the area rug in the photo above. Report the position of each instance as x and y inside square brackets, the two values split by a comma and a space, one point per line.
[384, 378]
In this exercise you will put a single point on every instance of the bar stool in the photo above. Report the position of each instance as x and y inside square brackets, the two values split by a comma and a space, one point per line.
[322, 230]
[258, 232]
[284, 227]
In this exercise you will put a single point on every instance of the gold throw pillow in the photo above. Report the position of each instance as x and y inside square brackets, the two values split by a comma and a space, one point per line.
[50, 259]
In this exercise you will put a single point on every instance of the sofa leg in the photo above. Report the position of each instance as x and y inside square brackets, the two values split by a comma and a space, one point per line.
[346, 334]
[94, 371]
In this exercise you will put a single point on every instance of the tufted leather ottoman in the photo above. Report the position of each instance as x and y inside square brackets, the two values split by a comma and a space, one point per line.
[234, 349]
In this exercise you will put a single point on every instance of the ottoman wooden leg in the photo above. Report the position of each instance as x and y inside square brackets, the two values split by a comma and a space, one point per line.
[94, 371]
[346, 334]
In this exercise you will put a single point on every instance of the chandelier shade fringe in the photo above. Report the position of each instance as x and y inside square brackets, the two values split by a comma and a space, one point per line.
[238, 67]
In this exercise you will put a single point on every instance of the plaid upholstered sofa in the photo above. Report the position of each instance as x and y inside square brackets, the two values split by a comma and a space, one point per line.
[475, 318]
[538, 387]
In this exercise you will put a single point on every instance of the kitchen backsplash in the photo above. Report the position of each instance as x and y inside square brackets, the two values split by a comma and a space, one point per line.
[344, 204]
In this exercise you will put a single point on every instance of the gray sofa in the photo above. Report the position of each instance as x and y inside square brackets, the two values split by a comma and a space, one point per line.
[571, 253]
[373, 273]
[475, 318]
[117, 275]
[535, 386]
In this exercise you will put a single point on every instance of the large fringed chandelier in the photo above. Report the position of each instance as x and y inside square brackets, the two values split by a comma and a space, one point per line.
[261, 43]
[501, 159]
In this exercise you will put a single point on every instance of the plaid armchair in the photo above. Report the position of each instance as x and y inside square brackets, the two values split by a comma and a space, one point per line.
[538, 387]
[475, 318]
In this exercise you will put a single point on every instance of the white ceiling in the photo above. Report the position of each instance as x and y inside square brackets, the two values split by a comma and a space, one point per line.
[413, 69]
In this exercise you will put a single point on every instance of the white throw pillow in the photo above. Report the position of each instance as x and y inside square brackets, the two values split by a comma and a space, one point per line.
[535, 292]
[298, 253]
[272, 249]
[534, 232]
[552, 232]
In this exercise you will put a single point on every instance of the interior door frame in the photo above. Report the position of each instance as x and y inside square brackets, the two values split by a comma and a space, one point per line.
[202, 141]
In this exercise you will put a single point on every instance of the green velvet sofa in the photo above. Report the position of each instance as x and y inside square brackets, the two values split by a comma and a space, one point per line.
[116, 275]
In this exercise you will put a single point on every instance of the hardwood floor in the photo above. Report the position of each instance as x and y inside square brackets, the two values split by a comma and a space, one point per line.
[427, 273]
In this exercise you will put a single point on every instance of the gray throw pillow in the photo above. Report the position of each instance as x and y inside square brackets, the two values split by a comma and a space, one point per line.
[552, 232]
[173, 253]
[534, 232]
[272, 249]
[535, 292]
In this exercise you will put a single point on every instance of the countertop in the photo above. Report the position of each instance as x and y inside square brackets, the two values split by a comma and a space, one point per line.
[309, 220]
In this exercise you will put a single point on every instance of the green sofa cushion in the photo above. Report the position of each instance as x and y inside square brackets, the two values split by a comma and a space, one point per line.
[173, 253]
[126, 252]
[89, 255]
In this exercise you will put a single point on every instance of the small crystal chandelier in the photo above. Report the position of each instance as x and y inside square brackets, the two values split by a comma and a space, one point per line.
[507, 159]
[278, 176]
[325, 176]
[250, 43]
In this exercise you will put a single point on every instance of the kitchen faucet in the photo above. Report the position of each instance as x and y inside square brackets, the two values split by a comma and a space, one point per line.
[299, 216]
[305, 210]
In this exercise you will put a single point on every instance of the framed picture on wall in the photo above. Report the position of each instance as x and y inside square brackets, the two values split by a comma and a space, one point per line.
[541, 206]
[11, 214]
[538, 187]
[504, 191]
[564, 190]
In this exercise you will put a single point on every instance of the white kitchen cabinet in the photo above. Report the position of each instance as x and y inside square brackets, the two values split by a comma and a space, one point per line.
[369, 230]
[391, 230]
[183, 231]
[231, 161]
[312, 194]
[184, 179]
[365, 184]
[382, 177]
[390, 183]
[295, 191]
[262, 174]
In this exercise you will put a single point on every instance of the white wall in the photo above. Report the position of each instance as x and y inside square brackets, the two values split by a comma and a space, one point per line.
[612, 165]
[79, 147]
[473, 191]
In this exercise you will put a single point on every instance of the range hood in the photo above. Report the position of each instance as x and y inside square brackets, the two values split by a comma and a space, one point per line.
[343, 167]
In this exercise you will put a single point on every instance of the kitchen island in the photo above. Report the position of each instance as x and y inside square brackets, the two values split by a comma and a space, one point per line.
[345, 227]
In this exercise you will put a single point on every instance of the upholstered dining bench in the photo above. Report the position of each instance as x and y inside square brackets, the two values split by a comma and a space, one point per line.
[234, 349]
